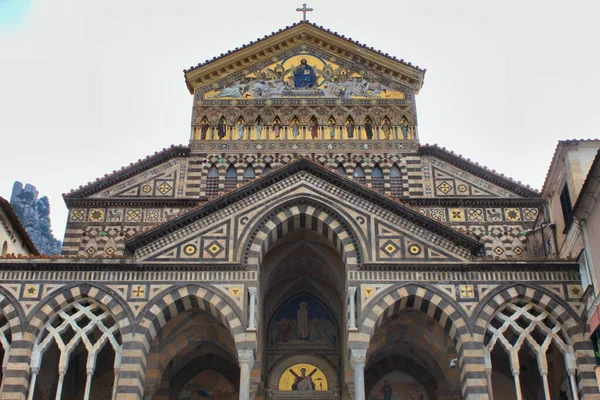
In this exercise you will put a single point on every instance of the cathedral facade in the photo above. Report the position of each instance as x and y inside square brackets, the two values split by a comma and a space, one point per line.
[304, 245]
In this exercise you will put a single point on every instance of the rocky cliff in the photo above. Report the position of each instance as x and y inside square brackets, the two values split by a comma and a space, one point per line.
[34, 214]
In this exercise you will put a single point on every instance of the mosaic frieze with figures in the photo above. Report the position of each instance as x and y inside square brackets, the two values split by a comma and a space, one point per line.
[301, 73]
[166, 180]
[441, 179]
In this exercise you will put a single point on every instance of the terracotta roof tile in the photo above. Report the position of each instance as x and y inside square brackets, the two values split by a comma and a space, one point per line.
[128, 171]
[499, 178]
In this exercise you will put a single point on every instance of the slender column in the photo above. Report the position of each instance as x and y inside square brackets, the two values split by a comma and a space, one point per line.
[571, 364]
[352, 307]
[544, 374]
[574, 391]
[246, 361]
[61, 379]
[252, 316]
[88, 383]
[34, 374]
[515, 372]
[358, 359]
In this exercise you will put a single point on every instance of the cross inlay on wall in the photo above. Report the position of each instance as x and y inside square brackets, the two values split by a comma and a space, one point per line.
[304, 10]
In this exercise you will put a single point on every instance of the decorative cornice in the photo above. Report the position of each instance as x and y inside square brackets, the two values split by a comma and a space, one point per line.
[317, 170]
[127, 172]
[455, 201]
[134, 202]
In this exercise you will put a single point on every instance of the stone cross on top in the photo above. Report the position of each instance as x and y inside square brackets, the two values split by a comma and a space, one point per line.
[304, 10]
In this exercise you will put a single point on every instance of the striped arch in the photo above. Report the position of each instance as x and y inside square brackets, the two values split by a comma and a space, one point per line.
[560, 311]
[12, 311]
[186, 297]
[442, 309]
[432, 302]
[11, 327]
[302, 213]
[160, 311]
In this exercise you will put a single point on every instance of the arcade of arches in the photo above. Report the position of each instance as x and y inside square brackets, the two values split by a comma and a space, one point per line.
[304, 245]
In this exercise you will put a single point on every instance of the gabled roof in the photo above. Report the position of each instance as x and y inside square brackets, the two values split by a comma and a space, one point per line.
[562, 144]
[292, 168]
[127, 172]
[17, 226]
[476, 169]
[298, 32]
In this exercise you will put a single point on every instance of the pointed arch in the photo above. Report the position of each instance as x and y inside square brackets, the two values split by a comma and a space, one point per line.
[341, 169]
[212, 182]
[396, 187]
[249, 173]
[377, 182]
[230, 177]
[359, 174]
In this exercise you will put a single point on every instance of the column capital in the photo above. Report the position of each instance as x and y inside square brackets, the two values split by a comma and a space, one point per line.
[352, 290]
[252, 290]
[246, 357]
[358, 357]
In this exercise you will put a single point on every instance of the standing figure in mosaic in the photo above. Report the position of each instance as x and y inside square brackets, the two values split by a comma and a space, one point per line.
[240, 128]
[222, 128]
[303, 321]
[259, 128]
[204, 128]
[331, 126]
[404, 128]
[314, 129]
[295, 128]
[386, 127]
[277, 128]
[369, 129]
[350, 128]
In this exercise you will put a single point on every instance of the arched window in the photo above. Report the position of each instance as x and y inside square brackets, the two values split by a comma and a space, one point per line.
[80, 344]
[230, 178]
[249, 174]
[377, 178]
[395, 182]
[212, 183]
[341, 169]
[359, 174]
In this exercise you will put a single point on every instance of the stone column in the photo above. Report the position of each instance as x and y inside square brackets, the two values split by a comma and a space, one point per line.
[358, 358]
[246, 361]
[252, 317]
[352, 308]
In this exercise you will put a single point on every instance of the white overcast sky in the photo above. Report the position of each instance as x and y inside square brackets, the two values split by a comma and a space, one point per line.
[87, 86]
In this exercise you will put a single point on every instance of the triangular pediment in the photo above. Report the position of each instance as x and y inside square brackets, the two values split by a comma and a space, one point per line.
[335, 55]
[385, 230]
